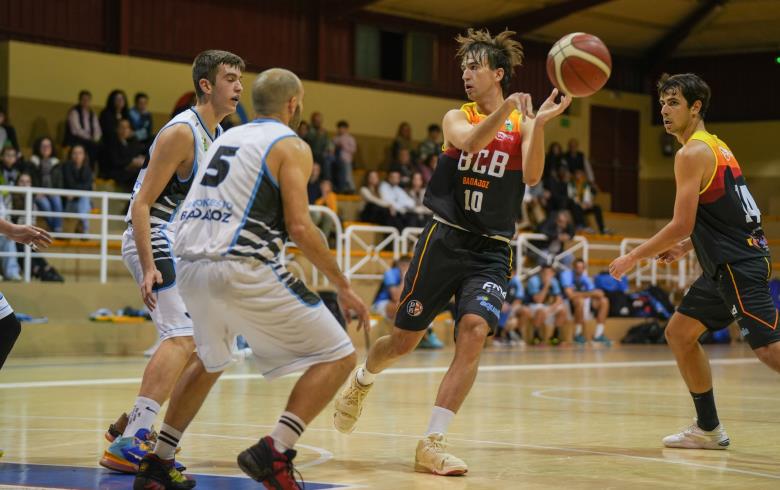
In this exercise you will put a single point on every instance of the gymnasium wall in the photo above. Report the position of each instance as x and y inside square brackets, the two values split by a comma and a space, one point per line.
[38, 99]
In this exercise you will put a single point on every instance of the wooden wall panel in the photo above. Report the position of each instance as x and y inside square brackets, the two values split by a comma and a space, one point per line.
[71, 23]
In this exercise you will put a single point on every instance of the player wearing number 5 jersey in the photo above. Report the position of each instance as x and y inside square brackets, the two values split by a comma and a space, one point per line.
[715, 215]
[493, 147]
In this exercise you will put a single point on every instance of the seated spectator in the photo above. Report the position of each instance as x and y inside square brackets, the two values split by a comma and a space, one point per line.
[313, 187]
[534, 205]
[431, 145]
[581, 194]
[48, 174]
[427, 166]
[303, 129]
[585, 300]
[7, 132]
[558, 186]
[123, 158]
[9, 266]
[515, 316]
[346, 147]
[559, 230]
[328, 199]
[12, 166]
[403, 165]
[83, 128]
[114, 111]
[547, 308]
[375, 209]
[77, 175]
[401, 204]
[420, 214]
[141, 120]
[403, 140]
[576, 160]
[552, 162]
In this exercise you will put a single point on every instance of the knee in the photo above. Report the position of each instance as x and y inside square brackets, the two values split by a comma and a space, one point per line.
[680, 337]
[770, 355]
[472, 331]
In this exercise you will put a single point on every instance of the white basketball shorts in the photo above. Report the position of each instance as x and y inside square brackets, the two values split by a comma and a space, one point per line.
[287, 327]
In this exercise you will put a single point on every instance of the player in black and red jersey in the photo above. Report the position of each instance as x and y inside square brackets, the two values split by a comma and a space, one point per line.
[493, 147]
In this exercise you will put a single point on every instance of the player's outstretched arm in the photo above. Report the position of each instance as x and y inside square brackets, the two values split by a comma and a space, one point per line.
[25, 234]
[295, 163]
[174, 146]
[461, 134]
[533, 136]
[690, 164]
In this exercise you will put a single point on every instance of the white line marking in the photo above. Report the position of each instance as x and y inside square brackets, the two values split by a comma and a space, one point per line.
[393, 371]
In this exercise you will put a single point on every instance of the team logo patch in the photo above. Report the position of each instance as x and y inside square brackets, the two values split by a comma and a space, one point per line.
[494, 289]
[734, 310]
[414, 308]
[508, 125]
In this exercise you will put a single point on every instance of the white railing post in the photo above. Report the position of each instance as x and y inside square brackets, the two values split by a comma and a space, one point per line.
[104, 239]
[28, 207]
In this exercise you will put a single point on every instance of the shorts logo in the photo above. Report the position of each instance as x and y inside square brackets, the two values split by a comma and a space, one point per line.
[495, 290]
[745, 332]
[489, 307]
[414, 308]
[734, 310]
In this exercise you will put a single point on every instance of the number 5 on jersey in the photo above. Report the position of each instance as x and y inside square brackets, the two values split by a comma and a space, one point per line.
[219, 166]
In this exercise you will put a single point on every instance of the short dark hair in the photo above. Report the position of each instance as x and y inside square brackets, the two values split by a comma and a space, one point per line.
[342, 124]
[690, 85]
[579, 260]
[83, 93]
[140, 95]
[207, 63]
[434, 127]
[7, 146]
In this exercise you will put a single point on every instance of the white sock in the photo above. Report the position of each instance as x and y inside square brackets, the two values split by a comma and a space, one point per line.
[599, 330]
[167, 441]
[578, 329]
[287, 431]
[142, 416]
[440, 421]
[364, 376]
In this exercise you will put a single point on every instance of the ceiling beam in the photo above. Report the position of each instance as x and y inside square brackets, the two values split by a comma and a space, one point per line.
[342, 8]
[530, 21]
[665, 46]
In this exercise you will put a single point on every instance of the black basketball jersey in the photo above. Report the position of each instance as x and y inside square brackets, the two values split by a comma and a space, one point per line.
[728, 222]
[481, 192]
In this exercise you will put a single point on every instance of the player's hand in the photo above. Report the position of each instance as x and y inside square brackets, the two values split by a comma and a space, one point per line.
[151, 278]
[350, 304]
[30, 235]
[672, 255]
[551, 109]
[523, 103]
[621, 265]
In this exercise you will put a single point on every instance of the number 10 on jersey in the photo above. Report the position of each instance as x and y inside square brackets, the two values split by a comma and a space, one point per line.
[473, 200]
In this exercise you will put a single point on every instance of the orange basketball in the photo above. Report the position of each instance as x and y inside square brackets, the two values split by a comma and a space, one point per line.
[579, 64]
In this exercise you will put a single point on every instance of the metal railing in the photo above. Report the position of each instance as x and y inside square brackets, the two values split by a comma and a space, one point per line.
[560, 261]
[681, 273]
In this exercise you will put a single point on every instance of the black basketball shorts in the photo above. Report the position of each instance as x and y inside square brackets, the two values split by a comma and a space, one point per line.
[739, 291]
[451, 262]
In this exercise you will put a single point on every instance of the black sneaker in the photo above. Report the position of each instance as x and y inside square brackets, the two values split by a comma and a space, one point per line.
[263, 463]
[157, 474]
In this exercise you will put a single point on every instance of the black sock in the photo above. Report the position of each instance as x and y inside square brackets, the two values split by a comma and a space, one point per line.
[9, 332]
[706, 414]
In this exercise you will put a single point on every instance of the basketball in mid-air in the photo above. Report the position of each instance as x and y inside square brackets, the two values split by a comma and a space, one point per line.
[579, 64]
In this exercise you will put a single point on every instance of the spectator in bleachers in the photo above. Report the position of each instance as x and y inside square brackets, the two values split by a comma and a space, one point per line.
[403, 164]
[114, 111]
[328, 199]
[547, 308]
[401, 204]
[9, 266]
[124, 157]
[303, 129]
[313, 187]
[346, 147]
[515, 316]
[7, 132]
[534, 205]
[585, 299]
[420, 213]
[559, 229]
[83, 128]
[431, 145]
[581, 194]
[576, 160]
[375, 209]
[12, 165]
[427, 166]
[77, 175]
[552, 161]
[141, 120]
[558, 187]
[320, 143]
[403, 139]
[48, 174]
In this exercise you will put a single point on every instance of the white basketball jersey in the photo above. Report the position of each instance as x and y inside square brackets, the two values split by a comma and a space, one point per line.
[234, 208]
[163, 211]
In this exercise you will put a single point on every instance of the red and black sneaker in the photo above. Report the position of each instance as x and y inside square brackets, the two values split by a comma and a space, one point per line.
[275, 470]
[158, 474]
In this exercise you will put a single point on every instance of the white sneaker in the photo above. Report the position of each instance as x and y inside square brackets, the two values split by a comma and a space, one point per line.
[694, 437]
[430, 457]
[349, 404]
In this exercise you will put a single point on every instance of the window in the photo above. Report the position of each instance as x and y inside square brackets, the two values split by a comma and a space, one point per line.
[394, 56]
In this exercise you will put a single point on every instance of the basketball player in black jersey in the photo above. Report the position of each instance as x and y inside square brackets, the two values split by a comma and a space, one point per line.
[493, 147]
[715, 215]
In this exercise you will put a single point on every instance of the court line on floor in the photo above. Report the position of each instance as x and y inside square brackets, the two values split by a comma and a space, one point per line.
[396, 371]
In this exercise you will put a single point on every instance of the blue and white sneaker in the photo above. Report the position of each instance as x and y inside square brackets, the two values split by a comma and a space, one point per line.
[602, 339]
[580, 339]
[125, 453]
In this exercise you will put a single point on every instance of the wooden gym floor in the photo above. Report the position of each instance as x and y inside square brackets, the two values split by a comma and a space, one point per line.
[536, 418]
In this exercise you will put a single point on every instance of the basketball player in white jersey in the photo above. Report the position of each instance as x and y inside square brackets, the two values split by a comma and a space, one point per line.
[174, 158]
[244, 204]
